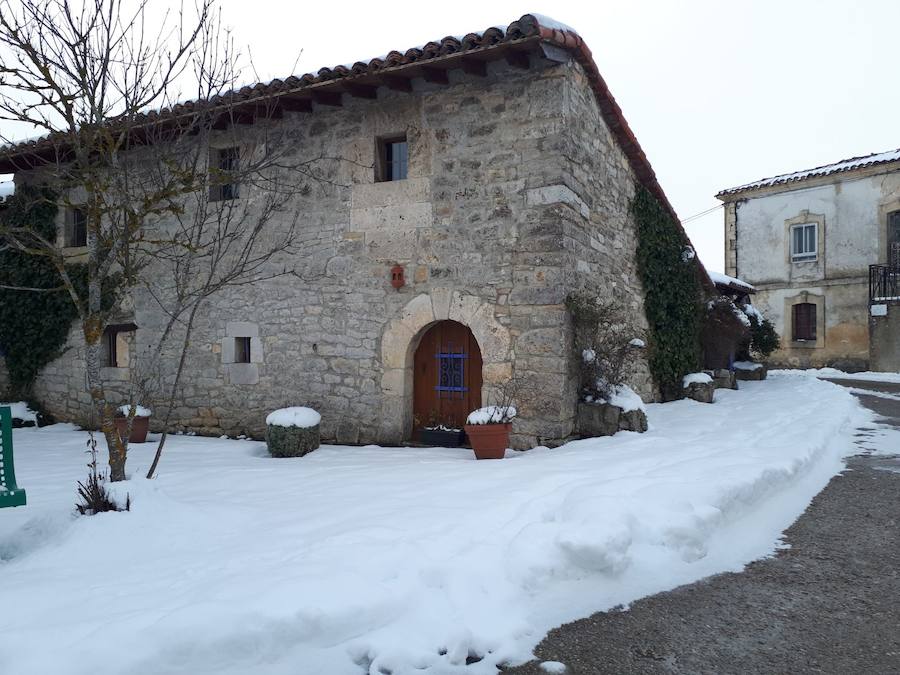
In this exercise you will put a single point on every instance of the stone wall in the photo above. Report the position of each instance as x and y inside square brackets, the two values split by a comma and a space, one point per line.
[516, 195]
[884, 329]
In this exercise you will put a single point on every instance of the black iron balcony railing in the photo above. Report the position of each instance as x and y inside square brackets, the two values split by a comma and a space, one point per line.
[884, 283]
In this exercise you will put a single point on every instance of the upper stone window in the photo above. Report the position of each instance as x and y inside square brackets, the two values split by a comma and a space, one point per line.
[223, 164]
[393, 158]
[76, 228]
[804, 242]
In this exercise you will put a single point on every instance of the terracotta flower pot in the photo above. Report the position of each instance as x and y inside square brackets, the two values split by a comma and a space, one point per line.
[139, 428]
[489, 441]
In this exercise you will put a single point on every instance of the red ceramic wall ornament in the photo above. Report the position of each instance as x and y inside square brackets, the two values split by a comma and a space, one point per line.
[398, 280]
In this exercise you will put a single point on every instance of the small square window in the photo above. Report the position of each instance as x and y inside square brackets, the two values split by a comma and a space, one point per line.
[116, 339]
[242, 350]
[804, 242]
[393, 159]
[76, 228]
[224, 163]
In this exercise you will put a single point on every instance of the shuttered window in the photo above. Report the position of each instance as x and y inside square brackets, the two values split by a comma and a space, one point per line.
[805, 322]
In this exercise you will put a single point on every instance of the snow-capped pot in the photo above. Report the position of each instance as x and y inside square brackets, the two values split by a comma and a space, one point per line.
[140, 425]
[295, 416]
[488, 430]
[292, 432]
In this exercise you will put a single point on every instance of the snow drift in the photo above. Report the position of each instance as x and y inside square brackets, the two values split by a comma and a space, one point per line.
[397, 560]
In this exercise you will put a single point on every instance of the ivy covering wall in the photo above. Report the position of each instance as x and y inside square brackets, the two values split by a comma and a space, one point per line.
[33, 325]
[673, 294]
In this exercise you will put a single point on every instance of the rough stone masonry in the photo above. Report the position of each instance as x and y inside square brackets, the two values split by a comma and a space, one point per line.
[517, 194]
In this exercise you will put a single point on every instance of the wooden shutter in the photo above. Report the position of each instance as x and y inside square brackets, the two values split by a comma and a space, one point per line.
[805, 321]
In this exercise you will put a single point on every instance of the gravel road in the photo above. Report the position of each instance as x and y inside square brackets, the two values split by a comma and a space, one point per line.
[830, 603]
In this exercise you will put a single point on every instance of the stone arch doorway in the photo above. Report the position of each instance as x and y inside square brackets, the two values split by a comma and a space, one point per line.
[447, 376]
[400, 339]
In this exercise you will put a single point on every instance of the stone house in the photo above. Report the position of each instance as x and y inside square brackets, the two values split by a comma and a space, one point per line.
[822, 249]
[503, 174]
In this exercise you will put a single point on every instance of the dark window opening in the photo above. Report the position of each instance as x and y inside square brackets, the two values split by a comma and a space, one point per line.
[224, 163]
[393, 159]
[76, 228]
[893, 219]
[805, 322]
[242, 350]
[115, 352]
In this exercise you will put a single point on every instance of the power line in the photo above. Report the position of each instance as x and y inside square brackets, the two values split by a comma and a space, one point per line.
[702, 213]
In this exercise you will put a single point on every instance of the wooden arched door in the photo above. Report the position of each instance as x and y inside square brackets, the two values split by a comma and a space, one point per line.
[447, 380]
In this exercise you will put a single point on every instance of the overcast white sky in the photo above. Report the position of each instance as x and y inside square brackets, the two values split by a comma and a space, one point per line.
[718, 93]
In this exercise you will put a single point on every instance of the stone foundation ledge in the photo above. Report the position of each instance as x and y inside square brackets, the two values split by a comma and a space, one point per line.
[603, 419]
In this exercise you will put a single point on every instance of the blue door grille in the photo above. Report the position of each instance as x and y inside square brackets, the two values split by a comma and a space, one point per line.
[451, 373]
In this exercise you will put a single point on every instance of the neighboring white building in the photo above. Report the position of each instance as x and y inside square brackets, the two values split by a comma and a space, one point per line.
[821, 246]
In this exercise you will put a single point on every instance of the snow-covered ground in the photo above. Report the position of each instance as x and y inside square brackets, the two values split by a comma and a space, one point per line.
[353, 560]
[835, 374]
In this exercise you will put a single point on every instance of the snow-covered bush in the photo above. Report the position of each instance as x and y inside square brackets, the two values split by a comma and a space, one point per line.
[607, 343]
[139, 410]
[763, 339]
[293, 431]
[502, 408]
[492, 414]
[295, 416]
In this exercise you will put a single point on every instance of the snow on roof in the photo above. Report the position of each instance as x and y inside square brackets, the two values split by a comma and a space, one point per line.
[723, 279]
[825, 170]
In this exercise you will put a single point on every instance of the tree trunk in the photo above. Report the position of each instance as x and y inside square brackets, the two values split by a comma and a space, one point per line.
[93, 347]
[186, 343]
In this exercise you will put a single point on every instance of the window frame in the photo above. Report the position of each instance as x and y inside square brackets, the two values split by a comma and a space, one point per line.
[386, 163]
[76, 223]
[243, 349]
[807, 255]
[225, 160]
[110, 343]
[810, 322]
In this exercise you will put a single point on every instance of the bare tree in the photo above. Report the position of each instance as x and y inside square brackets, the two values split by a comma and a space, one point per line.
[157, 201]
[606, 342]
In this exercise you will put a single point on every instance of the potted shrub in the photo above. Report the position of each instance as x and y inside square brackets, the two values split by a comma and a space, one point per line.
[488, 428]
[140, 424]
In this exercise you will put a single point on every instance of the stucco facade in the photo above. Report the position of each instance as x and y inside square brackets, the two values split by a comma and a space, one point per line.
[517, 194]
[849, 205]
